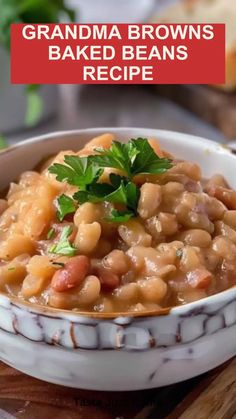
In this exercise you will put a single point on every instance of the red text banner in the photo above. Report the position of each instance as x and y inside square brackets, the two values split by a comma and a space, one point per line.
[118, 53]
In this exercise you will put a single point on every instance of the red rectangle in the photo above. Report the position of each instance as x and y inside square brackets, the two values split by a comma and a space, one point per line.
[172, 57]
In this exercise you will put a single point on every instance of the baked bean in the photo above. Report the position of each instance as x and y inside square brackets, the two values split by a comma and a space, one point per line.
[33, 286]
[222, 229]
[87, 237]
[44, 190]
[50, 177]
[212, 259]
[169, 254]
[127, 292]
[87, 213]
[195, 237]
[89, 291]
[217, 180]
[37, 219]
[8, 217]
[188, 184]
[13, 187]
[172, 189]
[137, 256]
[168, 223]
[215, 209]
[229, 218]
[150, 199]
[170, 247]
[164, 224]
[109, 280]
[103, 141]
[104, 305]
[190, 259]
[152, 289]
[41, 267]
[117, 261]
[171, 193]
[166, 270]
[227, 196]
[190, 200]
[63, 300]
[12, 272]
[15, 246]
[15, 228]
[156, 147]
[224, 247]
[71, 275]
[191, 170]
[29, 178]
[192, 219]
[133, 233]
[149, 261]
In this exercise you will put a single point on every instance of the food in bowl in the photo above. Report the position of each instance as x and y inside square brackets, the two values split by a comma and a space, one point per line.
[117, 228]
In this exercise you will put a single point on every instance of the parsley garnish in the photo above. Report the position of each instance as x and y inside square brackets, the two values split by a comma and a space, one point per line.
[119, 216]
[65, 206]
[135, 157]
[51, 233]
[11, 268]
[79, 171]
[64, 247]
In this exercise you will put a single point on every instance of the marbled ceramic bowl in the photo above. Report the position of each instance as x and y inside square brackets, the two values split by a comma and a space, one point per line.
[124, 352]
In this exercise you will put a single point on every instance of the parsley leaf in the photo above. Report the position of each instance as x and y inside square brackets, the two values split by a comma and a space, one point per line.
[133, 194]
[101, 192]
[137, 156]
[120, 191]
[116, 156]
[64, 247]
[78, 171]
[119, 216]
[146, 160]
[50, 234]
[65, 205]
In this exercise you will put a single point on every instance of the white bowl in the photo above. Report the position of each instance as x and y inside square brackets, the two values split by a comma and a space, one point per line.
[102, 352]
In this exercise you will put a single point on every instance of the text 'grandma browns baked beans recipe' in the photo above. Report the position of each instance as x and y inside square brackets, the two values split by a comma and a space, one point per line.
[116, 228]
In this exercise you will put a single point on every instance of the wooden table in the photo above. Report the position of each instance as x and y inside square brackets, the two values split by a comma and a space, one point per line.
[211, 396]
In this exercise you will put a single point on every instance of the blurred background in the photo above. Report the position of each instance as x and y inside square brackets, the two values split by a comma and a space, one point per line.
[208, 111]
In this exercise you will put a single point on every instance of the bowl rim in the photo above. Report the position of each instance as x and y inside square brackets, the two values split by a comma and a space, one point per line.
[189, 309]
[221, 297]
[218, 147]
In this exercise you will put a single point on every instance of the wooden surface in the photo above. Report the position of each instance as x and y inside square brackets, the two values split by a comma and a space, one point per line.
[211, 396]
[212, 105]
